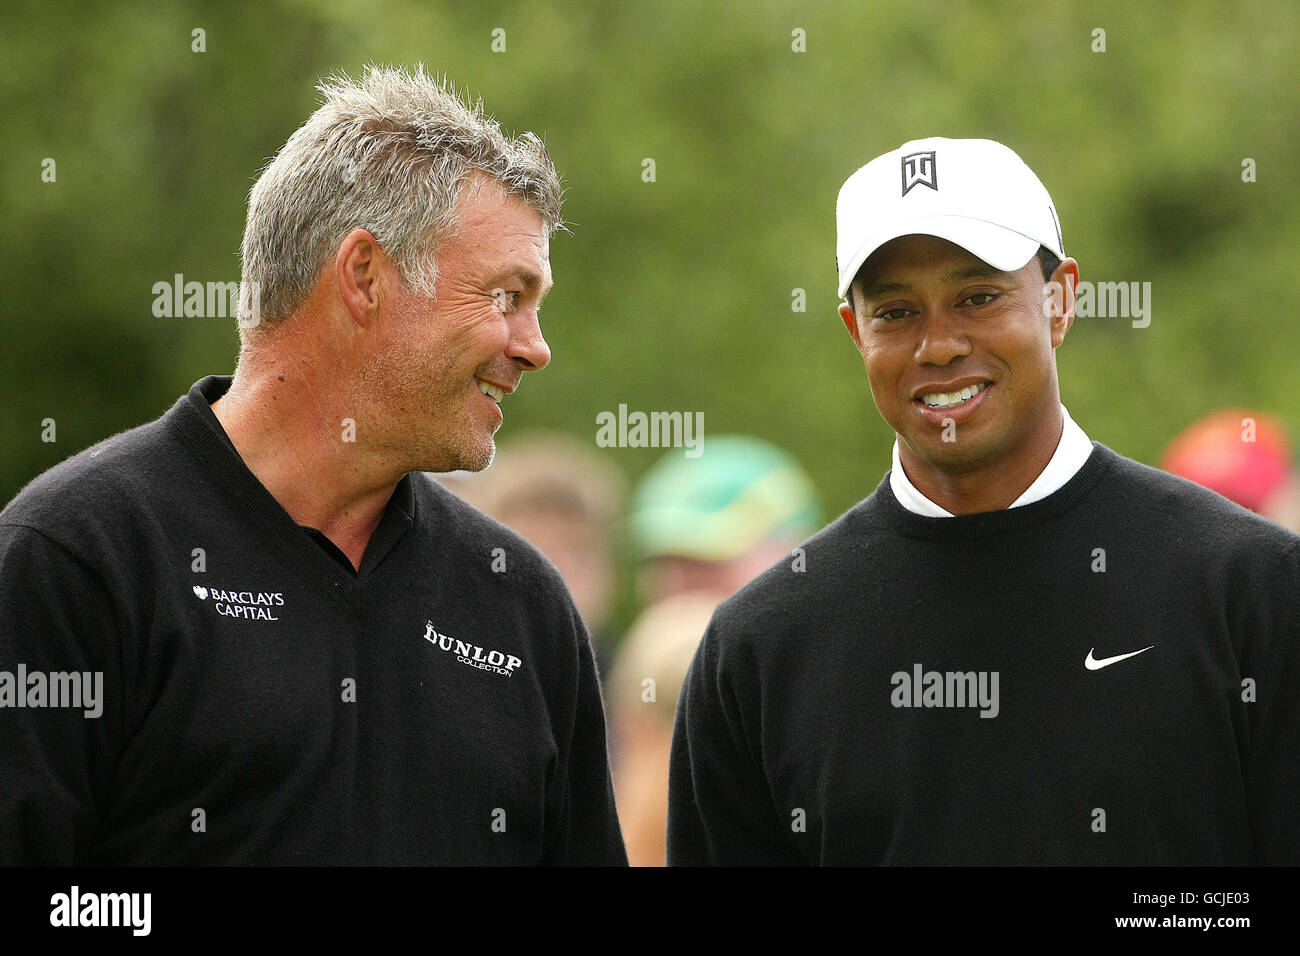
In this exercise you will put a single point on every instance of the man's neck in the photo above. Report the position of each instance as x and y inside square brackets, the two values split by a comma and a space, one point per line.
[290, 434]
[995, 486]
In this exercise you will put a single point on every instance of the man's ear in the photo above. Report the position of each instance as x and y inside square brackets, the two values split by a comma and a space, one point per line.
[851, 323]
[1065, 282]
[358, 269]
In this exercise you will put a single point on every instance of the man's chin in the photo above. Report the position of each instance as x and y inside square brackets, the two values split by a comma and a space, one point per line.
[478, 457]
[474, 457]
[955, 457]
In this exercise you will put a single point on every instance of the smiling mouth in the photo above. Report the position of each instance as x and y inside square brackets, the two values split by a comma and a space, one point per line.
[945, 400]
[491, 391]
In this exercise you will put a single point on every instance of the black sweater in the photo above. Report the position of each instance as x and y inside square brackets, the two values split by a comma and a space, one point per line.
[262, 702]
[918, 694]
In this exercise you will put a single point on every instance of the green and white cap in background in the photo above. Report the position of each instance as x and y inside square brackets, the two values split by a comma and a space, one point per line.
[718, 506]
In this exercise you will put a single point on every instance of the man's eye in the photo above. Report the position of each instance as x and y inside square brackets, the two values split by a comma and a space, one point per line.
[986, 296]
[893, 314]
[504, 301]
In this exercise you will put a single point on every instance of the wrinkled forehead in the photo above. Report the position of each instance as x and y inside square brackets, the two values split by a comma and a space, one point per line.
[500, 232]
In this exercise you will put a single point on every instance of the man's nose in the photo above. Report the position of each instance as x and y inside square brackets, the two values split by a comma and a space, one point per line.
[527, 346]
[942, 338]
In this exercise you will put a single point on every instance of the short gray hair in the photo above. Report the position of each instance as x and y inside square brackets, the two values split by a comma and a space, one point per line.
[392, 154]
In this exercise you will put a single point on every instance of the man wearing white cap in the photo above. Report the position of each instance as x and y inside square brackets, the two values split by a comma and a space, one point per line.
[1022, 647]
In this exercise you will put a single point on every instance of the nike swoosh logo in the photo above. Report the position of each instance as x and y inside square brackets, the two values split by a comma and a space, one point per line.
[1093, 664]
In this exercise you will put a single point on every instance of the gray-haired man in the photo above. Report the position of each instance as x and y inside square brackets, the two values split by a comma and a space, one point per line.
[309, 652]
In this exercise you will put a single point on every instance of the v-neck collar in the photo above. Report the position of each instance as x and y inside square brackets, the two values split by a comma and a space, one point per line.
[192, 415]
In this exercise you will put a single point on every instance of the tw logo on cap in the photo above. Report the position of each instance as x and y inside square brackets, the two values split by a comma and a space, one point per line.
[919, 170]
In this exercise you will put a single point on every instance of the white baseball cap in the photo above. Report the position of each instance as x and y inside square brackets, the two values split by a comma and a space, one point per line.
[974, 192]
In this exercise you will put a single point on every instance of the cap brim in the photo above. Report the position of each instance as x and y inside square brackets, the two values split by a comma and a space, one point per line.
[1002, 248]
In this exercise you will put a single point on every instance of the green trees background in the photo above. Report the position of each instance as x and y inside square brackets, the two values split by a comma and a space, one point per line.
[674, 294]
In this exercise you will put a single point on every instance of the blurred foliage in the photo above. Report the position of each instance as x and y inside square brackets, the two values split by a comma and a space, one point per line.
[674, 294]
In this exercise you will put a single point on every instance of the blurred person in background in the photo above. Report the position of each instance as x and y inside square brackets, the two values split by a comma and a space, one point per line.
[642, 691]
[1243, 455]
[713, 523]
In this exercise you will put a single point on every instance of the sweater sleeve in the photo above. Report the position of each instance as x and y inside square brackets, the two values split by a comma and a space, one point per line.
[720, 807]
[587, 832]
[1273, 759]
[56, 762]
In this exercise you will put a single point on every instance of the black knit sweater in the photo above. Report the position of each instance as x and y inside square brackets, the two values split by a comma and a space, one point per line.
[264, 703]
[1109, 675]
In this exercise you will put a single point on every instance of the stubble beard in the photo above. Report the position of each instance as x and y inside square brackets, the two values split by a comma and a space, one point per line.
[427, 424]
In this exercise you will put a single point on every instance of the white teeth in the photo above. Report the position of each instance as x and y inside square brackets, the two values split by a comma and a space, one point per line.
[491, 391]
[950, 399]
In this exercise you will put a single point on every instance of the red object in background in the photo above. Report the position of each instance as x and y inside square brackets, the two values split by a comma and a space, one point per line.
[1216, 451]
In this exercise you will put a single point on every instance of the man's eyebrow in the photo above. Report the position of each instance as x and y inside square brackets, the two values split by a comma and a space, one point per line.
[529, 279]
[876, 289]
[981, 271]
